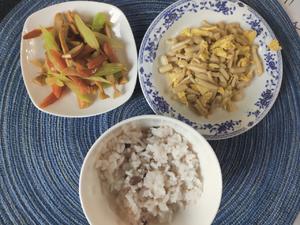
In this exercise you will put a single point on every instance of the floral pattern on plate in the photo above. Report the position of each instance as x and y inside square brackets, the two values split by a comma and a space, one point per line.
[216, 128]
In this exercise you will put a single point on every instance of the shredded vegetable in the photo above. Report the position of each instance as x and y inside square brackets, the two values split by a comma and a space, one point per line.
[208, 67]
[86, 33]
[99, 21]
[79, 56]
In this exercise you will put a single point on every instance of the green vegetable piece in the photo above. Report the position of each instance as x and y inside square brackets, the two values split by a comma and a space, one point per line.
[97, 78]
[105, 85]
[87, 34]
[56, 78]
[114, 43]
[83, 97]
[52, 80]
[99, 21]
[49, 40]
[61, 77]
[109, 68]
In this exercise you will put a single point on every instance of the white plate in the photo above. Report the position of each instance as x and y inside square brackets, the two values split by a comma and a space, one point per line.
[31, 49]
[95, 205]
[261, 94]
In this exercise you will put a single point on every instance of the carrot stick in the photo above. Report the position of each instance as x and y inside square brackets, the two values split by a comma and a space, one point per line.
[113, 58]
[87, 50]
[83, 86]
[96, 62]
[50, 99]
[82, 104]
[111, 55]
[56, 59]
[32, 34]
[109, 52]
[57, 91]
[49, 64]
[83, 71]
[35, 33]
[70, 72]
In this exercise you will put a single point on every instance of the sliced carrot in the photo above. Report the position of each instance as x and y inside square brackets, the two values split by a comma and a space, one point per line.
[78, 72]
[35, 33]
[49, 64]
[58, 62]
[113, 59]
[82, 62]
[69, 71]
[109, 52]
[96, 62]
[73, 52]
[82, 85]
[82, 104]
[83, 71]
[87, 50]
[57, 91]
[50, 99]
[32, 34]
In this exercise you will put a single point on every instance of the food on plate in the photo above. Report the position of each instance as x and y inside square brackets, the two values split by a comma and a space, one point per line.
[210, 66]
[274, 45]
[79, 56]
[150, 174]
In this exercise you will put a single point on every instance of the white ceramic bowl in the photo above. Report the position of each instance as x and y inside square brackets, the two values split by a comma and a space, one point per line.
[95, 205]
[259, 96]
[31, 49]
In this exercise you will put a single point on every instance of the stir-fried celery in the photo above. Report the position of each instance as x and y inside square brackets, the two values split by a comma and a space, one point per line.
[79, 56]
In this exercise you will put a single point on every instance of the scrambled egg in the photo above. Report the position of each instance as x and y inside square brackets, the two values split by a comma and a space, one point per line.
[225, 42]
[250, 35]
[186, 32]
[221, 53]
[221, 46]
[182, 97]
[274, 45]
[221, 90]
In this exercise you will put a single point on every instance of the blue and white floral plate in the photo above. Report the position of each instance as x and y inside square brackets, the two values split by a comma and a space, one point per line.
[260, 95]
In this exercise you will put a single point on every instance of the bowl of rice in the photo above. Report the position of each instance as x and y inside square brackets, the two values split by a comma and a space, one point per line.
[150, 170]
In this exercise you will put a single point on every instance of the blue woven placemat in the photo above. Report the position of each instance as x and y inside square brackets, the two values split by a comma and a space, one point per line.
[41, 155]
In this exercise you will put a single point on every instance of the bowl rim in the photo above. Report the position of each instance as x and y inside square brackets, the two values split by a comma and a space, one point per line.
[93, 148]
[135, 64]
[243, 129]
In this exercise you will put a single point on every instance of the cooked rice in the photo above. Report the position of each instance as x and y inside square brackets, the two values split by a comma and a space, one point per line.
[150, 174]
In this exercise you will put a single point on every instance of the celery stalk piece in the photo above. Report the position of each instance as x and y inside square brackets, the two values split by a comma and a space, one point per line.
[49, 40]
[109, 68]
[115, 43]
[99, 21]
[87, 34]
[83, 97]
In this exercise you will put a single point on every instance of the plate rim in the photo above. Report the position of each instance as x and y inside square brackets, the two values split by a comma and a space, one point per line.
[241, 130]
